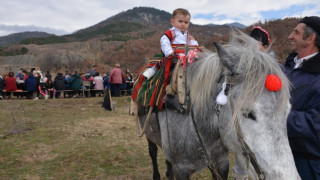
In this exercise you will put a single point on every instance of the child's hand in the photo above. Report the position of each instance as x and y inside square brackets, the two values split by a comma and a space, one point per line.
[192, 38]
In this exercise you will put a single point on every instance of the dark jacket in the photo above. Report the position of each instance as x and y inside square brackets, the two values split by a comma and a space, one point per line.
[304, 117]
[30, 83]
[106, 83]
[2, 83]
[59, 82]
[75, 82]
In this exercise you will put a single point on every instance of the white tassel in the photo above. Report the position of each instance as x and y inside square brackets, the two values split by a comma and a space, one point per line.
[222, 99]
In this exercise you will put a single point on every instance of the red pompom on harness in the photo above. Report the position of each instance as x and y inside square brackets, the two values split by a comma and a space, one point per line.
[273, 82]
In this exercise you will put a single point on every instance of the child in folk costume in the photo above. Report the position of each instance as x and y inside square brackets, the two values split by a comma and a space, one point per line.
[177, 35]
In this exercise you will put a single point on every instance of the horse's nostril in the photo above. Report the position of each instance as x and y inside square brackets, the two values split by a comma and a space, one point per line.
[250, 115]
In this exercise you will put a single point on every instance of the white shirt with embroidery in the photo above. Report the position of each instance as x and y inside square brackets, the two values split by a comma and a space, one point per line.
[300, 61]
[180, 38]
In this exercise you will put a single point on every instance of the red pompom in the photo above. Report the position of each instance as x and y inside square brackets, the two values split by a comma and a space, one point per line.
[273, 82]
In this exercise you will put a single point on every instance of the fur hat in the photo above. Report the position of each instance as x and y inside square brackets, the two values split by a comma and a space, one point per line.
[313, 22]
[261, 35]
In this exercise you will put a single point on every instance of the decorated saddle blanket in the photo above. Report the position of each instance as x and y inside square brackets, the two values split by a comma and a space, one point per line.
[151, 92]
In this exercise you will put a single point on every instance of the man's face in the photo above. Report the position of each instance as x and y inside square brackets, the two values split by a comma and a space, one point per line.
[296, 38]
[181, 22]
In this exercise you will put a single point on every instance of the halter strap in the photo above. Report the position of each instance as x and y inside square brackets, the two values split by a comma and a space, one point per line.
[234, 79]
[230, 81]
[246, 150]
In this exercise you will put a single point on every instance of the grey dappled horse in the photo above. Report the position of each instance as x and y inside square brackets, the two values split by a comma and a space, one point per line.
[252, 123]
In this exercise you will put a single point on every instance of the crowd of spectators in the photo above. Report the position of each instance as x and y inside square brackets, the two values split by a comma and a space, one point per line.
[33, 84]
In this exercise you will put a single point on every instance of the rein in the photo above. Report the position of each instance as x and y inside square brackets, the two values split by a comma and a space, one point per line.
[230, 81]
[209, 162]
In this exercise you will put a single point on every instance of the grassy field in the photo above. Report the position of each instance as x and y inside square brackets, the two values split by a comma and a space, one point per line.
[73, 139]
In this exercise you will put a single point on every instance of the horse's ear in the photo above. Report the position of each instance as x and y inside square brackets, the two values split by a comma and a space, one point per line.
[227, 60]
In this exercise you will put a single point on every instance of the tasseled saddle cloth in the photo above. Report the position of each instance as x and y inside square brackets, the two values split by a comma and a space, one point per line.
[151, 92]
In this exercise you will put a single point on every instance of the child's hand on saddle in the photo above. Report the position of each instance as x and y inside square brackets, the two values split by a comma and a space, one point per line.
[171, 55]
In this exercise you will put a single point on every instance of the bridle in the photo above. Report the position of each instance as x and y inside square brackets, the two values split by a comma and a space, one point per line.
[232, 80]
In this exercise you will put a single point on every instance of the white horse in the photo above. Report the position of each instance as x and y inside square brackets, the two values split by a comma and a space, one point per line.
[252, 123]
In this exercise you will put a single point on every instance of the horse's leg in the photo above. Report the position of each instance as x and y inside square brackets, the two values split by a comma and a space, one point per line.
[222, 171]
[169, 172]
[153, 151]
[180, 174]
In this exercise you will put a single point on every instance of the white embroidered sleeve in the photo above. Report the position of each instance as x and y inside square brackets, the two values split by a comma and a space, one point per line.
[194, 42]
[165, 45]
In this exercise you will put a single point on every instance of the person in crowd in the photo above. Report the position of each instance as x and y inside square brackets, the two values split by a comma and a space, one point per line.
[37, 70]
[25, 74]
[19, 74]
[48, 75]
[88, 81]
[75, 83]
[129, 82]
[262, 36]
[49, 87]
[106, 83]
[59, 84]
[37, 76]
[2, 86]
[92, 71]
[20, 81]
[11, 82]
[67, 78]
[98, 83]
[31, 85]
[104, 76]
[116, 79]
[32, 69]
[128, 73]
[302, 67]
[178, 34]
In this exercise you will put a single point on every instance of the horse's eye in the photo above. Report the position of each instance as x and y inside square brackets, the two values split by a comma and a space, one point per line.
[250, 115]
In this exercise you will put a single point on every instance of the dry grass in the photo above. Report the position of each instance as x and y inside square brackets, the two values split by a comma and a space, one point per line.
[73, 139]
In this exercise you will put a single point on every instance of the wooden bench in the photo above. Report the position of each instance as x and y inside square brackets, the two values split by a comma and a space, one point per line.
[63, 92]
[11, 93]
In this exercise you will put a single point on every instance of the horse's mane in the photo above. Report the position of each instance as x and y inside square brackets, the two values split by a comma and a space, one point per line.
[202, 78]
[253, 64]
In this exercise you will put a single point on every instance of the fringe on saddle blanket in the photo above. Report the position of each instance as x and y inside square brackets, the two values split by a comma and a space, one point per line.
[152, 91]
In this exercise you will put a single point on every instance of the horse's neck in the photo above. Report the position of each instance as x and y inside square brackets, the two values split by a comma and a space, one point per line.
[207, 125]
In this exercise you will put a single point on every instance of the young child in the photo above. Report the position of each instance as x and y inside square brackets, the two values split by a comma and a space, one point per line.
[177, 35]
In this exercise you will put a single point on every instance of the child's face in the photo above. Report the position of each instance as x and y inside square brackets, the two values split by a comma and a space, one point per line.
[181, 22]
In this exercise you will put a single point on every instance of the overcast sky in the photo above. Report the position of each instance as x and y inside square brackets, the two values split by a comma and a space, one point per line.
[66, 16]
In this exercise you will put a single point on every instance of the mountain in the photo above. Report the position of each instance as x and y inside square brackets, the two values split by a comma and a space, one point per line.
[139, 15]
[17, 37]
[129, 38]
[237, 25]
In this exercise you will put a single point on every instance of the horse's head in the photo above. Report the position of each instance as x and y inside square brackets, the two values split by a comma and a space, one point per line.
[253, 120]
